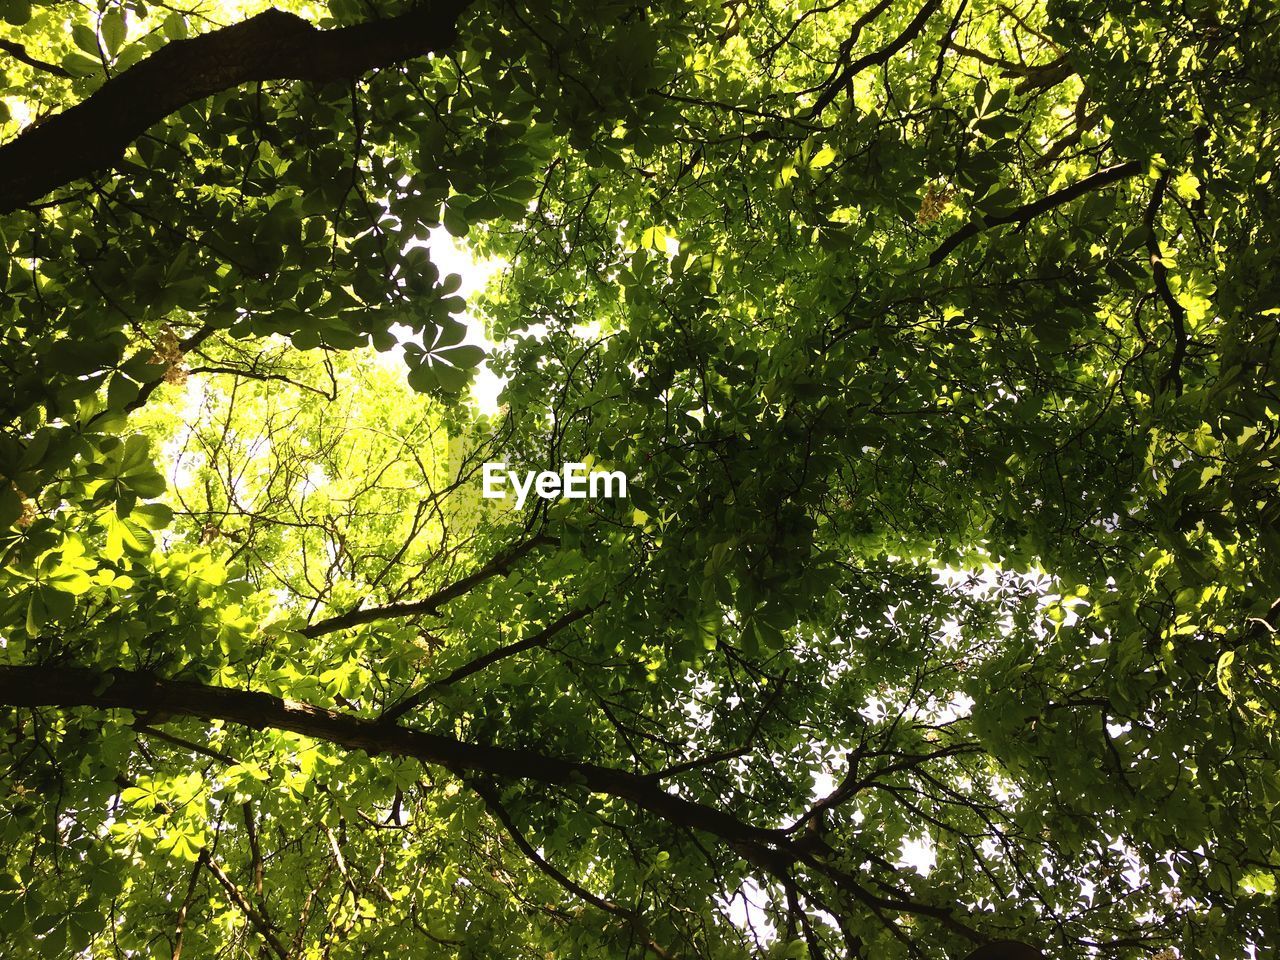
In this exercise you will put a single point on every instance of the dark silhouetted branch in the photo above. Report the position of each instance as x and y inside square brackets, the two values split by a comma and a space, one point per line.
[19, 52]
[499, 566]
[831, 89]
[94, 134]
[1160, 273]
[536, 639]
[1095, 181]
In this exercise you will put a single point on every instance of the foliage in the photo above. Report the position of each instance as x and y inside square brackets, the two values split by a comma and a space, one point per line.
[939, 344]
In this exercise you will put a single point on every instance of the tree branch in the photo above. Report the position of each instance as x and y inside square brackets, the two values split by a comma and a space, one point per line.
[258, 921]
[144, 693]
[94, 134]
[874, 59]
[493, 801]
[498, 566]
[185, 744]
[189, 899]
[944, 44]
[1006, 950]
[773, 850]
[1029, 211]
[479, 663]
[255, 849]
[19, 52]
[1160, 274]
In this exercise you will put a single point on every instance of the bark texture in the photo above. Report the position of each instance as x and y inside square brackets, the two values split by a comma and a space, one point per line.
[93, 135]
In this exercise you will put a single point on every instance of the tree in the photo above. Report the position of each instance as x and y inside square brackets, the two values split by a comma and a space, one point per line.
[938, 341]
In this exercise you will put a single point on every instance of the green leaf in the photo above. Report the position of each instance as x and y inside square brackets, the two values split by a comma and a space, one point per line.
[450, 378]
[175, 26]
[81, 66]
[35, 614]
[86, 38]
[824, 157]
[465, 356]
[449, 333]
[10, 505]
[121, 392]
[422, 378]
[16, 12]
[455, 221]
[154, 516]
[113, 30]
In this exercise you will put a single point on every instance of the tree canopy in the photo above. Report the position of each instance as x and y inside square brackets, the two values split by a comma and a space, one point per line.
[939, 341]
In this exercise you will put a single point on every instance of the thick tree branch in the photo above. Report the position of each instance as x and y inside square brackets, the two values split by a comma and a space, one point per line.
[148, 694]
[1034, 75]
[93, 135]
[1006, 950]
[773, 850]
[1029, 211]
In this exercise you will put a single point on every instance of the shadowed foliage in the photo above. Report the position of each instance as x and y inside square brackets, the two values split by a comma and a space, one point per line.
[937, 340]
